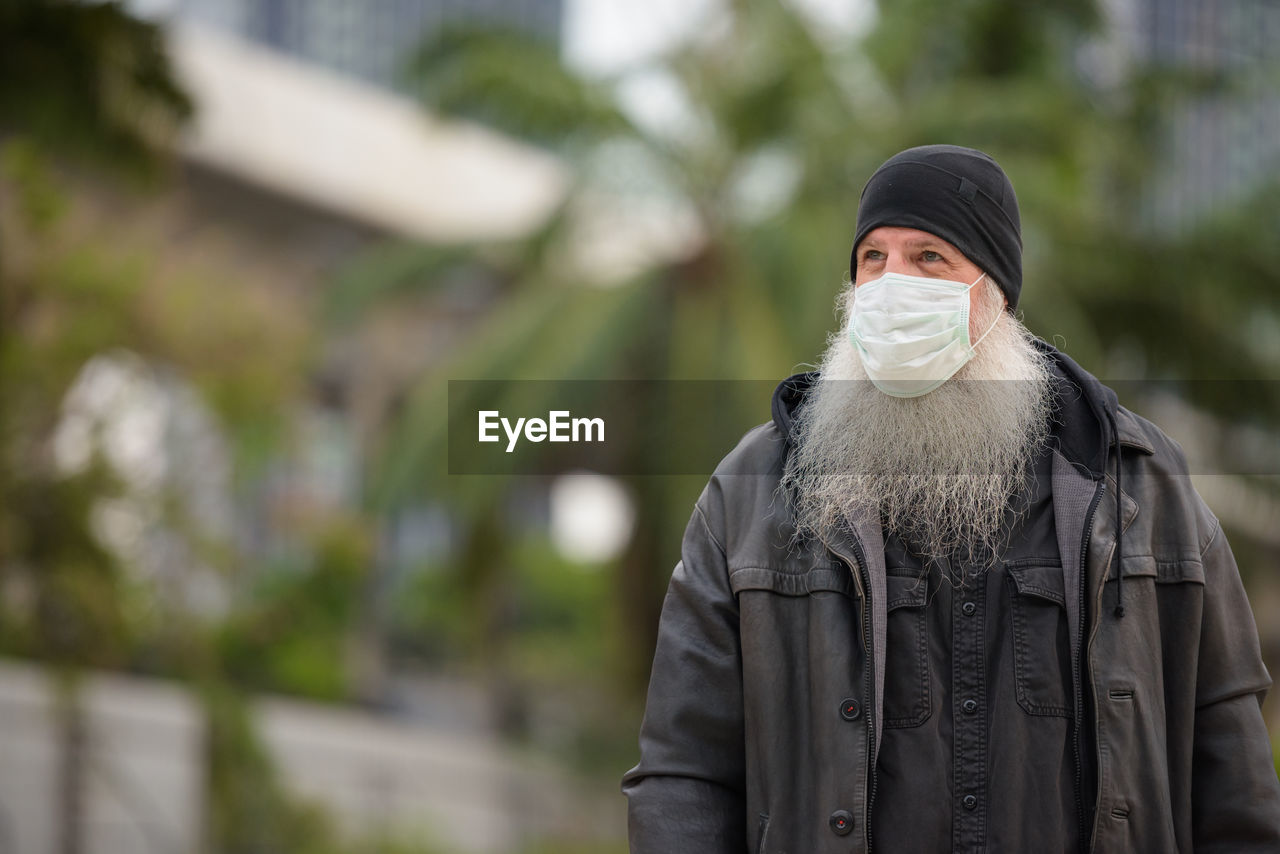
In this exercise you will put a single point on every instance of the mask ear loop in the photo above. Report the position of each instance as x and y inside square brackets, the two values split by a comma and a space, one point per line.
[975, 344]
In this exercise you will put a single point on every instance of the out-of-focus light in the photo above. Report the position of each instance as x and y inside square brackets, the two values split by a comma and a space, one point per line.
[591, 517]
[607, 38]
[114, 402]
[172, 469]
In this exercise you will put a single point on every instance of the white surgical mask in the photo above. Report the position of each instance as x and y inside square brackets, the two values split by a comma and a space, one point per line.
[912, 332]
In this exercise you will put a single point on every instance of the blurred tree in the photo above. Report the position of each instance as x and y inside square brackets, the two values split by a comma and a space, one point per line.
[746, 294]
[771, 127]
[91, 81]
[293, 632]
[87, 92]
[88, 80]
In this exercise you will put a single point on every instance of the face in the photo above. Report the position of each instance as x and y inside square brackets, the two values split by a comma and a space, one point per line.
[912, 252]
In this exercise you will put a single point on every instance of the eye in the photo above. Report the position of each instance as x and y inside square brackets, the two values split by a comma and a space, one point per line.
[872, 255]
[929, 256]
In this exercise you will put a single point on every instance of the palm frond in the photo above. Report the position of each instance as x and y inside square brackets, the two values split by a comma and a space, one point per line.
[514, 83]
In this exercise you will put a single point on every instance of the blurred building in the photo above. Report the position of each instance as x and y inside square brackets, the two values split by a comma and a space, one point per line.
[307, 150]
[368, 40]
[1225, 143]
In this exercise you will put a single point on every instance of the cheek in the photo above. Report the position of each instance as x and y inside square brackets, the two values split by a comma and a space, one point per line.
[870, 269]
[984, 307]
[847, 301]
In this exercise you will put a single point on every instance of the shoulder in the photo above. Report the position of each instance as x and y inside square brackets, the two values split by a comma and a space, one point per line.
[741, 499]
[1158, 477]
[1142, 435]
[760, 451]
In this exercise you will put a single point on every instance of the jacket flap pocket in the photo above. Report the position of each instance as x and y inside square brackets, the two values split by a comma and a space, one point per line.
[1171, 570]
[790, 583]
[1044, 582]
[906, 591]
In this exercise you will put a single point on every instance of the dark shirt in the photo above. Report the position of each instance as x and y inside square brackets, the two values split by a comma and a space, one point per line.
[977, 750]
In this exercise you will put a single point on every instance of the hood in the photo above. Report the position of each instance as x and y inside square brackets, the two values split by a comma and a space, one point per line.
[1085, 411]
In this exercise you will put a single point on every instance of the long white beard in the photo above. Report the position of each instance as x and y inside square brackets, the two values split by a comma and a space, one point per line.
[939, 469]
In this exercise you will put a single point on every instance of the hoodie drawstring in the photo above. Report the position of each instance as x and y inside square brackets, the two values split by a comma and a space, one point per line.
[1119, 611]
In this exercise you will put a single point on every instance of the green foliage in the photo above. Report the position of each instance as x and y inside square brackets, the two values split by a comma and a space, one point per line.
[39, 204]
[249, 811]
[506, 79]
[88, 79]
[292, 630]
[561, 613]
[69, 296]
[431, 615]
[85, 82]
[390, 269]
[922, 45]
[68, 603]
[562, 633]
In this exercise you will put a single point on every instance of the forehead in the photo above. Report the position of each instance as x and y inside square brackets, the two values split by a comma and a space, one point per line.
[899, 236]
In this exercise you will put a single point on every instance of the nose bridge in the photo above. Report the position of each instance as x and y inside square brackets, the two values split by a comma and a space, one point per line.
[897, 260]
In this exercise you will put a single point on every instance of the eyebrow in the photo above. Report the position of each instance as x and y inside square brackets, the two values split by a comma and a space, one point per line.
[915, 243]
[928, 241]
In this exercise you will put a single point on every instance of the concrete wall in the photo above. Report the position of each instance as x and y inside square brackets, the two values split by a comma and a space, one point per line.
[143, 777]
[144, 773]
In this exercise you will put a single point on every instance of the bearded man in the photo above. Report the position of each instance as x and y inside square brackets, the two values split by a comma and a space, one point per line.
[953, 597]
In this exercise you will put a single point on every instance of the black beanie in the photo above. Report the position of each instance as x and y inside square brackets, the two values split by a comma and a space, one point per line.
[958, 194]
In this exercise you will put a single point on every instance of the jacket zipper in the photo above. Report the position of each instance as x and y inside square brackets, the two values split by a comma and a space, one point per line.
[1076, 670]
[864, 581]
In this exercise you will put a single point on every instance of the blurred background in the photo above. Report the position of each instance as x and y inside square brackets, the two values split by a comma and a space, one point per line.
[244, 245]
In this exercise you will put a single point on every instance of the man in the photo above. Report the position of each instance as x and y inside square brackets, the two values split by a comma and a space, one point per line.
[953, 597]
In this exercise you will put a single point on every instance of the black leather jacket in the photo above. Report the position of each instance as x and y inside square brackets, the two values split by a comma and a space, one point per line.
[747, 745]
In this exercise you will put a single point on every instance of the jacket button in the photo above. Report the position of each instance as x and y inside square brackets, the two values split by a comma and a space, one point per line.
[969, 706]
[849, 709]
[969, 609]
[969, 802]
[841, 822]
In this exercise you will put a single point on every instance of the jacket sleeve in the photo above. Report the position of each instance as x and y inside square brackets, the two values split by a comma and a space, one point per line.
[1235, 794]
[687, 792]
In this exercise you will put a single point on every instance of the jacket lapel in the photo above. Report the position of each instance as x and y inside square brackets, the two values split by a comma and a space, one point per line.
[1073, 494]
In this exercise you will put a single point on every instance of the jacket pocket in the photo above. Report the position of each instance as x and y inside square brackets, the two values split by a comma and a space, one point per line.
[906, 678]
[790, 583]
[1041, 651]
